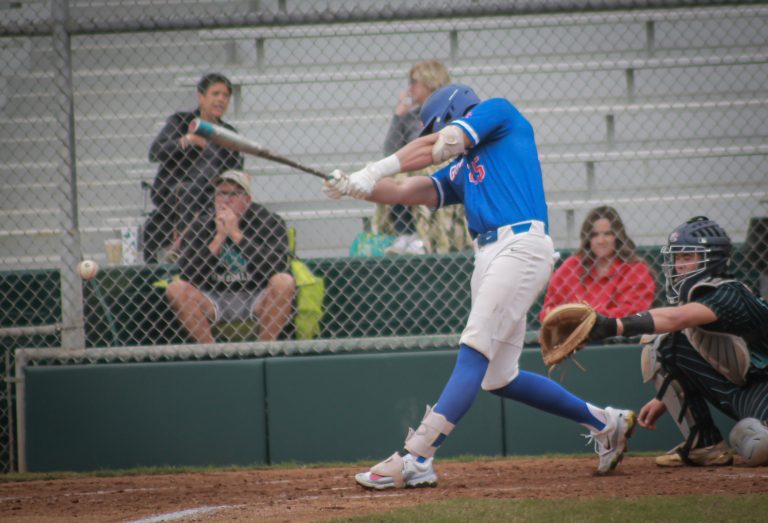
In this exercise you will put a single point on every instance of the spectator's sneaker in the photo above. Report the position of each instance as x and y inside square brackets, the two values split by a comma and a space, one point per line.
[611, 442]
[415, 246]
[713, 456]
[399, 245]
[406, 244]
[399, 472]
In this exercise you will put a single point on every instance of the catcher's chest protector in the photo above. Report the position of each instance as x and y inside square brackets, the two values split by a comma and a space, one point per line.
[727, 353]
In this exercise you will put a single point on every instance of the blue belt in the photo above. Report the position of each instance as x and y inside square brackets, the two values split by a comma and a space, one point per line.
[493, 235]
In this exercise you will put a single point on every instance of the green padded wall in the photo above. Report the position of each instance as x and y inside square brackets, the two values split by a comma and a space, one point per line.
[350, 407]
[612, 378]
[145, 414]
[306, 409]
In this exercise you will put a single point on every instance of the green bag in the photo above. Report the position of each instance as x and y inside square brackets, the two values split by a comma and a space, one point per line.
[370, 244]
[310, 292]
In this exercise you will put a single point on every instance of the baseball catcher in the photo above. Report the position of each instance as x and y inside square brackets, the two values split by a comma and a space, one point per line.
[712, 347]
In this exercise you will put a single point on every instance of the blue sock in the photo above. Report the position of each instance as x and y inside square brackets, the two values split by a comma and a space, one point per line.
[463, 385]
[547, 395]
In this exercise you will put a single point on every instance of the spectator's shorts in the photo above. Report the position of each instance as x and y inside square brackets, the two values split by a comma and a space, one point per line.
[231, 306]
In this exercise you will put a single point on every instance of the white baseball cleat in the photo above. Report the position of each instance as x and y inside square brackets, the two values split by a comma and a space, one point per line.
[611, 442]
[749, 438]
[406, 244]
[399, 472]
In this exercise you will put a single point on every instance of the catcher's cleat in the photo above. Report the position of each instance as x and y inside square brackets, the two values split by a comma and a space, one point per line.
[611, 442]
[718, 455]
[399, 472]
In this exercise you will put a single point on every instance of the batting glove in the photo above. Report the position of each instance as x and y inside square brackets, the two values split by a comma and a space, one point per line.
[361, 183]
[336, 185]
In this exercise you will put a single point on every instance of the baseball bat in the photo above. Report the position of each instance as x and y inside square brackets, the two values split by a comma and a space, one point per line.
[231, 140]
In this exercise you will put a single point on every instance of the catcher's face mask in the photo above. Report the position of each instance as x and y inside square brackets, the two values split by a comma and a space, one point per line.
[679, 269]
[700, 236]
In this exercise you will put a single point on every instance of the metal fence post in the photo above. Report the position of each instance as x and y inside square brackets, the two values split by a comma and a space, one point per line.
[73, 330]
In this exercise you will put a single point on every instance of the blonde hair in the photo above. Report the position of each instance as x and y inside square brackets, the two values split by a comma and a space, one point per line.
[432, 73]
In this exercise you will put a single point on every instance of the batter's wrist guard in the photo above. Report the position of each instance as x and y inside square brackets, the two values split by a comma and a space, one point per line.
[384, 167]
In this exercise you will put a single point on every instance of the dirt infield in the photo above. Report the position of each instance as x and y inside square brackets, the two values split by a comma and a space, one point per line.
[321, 493]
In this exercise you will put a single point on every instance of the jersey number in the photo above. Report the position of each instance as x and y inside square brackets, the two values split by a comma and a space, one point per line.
[476, 171]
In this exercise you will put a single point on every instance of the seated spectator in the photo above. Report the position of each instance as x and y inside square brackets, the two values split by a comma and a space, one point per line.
[605, 271]
[234, 265]
[182, 187]
[419, 229]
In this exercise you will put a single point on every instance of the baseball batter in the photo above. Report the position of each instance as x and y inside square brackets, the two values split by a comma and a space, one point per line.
[496, 174]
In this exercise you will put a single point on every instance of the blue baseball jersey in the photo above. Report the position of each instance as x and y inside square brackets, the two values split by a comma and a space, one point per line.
[498, 179]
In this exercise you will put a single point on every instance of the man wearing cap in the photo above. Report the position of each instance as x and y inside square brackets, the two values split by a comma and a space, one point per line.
[234, 265]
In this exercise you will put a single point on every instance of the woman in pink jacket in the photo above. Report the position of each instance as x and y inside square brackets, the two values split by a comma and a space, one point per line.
[605, 271]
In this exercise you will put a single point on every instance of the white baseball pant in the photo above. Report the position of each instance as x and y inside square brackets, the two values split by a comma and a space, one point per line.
[508, 276]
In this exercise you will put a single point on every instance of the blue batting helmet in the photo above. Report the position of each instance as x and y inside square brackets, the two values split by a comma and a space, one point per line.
[447, 103]
[711, 244]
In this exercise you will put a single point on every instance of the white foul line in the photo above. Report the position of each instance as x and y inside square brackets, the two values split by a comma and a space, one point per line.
[174, 516]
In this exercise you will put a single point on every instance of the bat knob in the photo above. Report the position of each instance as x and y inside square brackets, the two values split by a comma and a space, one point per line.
[201, 127]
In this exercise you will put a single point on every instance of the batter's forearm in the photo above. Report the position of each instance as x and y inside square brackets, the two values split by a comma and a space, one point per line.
[416, 190]
[417, 154]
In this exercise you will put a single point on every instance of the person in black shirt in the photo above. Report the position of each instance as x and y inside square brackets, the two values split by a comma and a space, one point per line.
[187, 163]
[234, 265]
[711, 349]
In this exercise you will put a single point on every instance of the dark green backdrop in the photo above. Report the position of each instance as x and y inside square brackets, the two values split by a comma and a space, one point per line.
[302, 408]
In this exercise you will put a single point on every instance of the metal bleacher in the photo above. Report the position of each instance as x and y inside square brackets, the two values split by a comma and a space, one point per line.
[603, 114]
[681, 91]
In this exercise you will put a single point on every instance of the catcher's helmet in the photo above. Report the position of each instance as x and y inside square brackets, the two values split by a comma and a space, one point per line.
[449, 102]
[698, 235]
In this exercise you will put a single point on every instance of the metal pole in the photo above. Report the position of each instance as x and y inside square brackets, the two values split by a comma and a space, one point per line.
[73, 329]
[21, 421]
[9, 405]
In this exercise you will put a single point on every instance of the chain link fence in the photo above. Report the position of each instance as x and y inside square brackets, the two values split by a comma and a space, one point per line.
[646, 114]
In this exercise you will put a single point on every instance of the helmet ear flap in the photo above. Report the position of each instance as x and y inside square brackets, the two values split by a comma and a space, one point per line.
[449, 102]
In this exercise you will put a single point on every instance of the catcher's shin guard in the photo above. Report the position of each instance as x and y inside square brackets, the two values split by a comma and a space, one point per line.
[425, 440]
[687, 407]
[669, 390]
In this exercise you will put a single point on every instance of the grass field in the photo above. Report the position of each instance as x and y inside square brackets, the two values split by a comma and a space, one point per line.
[644, 509]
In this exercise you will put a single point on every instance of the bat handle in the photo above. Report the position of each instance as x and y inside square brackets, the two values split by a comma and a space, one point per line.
[201, 127]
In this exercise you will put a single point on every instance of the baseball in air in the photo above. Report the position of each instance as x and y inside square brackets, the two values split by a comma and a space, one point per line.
[88, 269]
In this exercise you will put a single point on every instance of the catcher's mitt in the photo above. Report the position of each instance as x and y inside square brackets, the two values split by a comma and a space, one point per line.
[565, 330]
